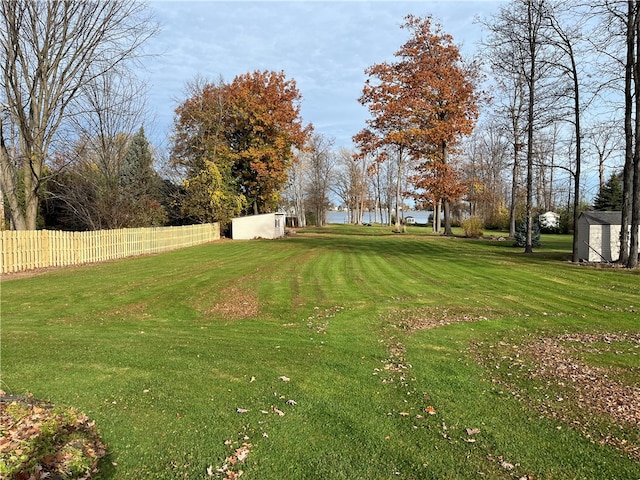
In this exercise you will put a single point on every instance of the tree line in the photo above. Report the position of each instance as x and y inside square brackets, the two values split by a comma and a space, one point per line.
[501, 136]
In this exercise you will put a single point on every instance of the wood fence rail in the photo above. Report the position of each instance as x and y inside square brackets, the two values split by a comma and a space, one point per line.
[28, 250]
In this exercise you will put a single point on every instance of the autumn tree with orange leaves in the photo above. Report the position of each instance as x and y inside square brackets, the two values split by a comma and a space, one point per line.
[233, 143]
[421, 105]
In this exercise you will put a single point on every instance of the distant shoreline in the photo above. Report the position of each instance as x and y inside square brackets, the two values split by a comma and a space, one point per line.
[421, 216]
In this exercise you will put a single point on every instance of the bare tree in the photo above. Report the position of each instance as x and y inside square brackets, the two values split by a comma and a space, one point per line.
[293, 194]
[50, 52]
[515, 110]
[382, 184]
[566, 37]
[351, 184]
[486, 168]
[87, 179]
[605, 140]
[321, 165]
[619, 45]
[510, 108]
[628, 18]
[521, 51]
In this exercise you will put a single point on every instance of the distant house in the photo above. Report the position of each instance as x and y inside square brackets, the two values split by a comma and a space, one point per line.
[268, 225]
[599, 236]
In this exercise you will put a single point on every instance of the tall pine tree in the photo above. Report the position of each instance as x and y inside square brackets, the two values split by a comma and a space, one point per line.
[140, 184]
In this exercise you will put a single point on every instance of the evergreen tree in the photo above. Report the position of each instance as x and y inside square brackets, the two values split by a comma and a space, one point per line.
[137, 175]
[521, 234]
[609, 197]
[141, 185]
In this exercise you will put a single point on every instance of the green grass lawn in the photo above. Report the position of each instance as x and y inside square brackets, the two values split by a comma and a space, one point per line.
[324, 342]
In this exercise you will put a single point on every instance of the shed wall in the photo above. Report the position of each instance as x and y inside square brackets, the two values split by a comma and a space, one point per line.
[268, 225]
[603, 239]
[583, 240]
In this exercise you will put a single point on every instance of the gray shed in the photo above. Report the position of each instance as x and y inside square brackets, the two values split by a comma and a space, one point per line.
[599, 236]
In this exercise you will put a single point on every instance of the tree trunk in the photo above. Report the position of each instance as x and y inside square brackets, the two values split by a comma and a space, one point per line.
[576, 183]
[514, 192]
[627, 182]
[632, 262]
[16, 215]
[434, 221]
[397, 228]
[53, 50]
[447, 218]
[635, 216]
[447, 206]
[530, 119]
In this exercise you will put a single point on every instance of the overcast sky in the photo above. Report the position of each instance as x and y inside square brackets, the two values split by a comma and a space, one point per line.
[324, 46]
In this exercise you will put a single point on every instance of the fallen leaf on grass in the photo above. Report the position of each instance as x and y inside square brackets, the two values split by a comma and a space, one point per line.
[243, 452]
[472, 431]
[278, 411]
[404, 414]
[430, 410]
[284, 379]
[241, 410]
[238, 456]
[507, 465]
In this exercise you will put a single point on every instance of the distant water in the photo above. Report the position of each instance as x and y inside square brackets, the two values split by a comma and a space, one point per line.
[421, 216]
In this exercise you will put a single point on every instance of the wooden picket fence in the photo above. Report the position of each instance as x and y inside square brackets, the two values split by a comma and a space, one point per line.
[29, 250]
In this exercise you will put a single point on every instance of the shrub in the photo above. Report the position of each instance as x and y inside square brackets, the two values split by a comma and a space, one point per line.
[472, 227]
[42, 441]
[498, 220]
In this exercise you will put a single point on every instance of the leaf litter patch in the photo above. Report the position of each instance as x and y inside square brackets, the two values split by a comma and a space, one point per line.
[41, 441]
[235, 303]
[425, 318]
[549, 373]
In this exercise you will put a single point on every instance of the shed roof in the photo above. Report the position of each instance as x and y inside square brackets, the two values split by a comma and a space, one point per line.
[549, 214]
[603, 218]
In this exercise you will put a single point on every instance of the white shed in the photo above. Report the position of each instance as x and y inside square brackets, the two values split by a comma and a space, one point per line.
[599, 236]
[549, 220]
[268, 225]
